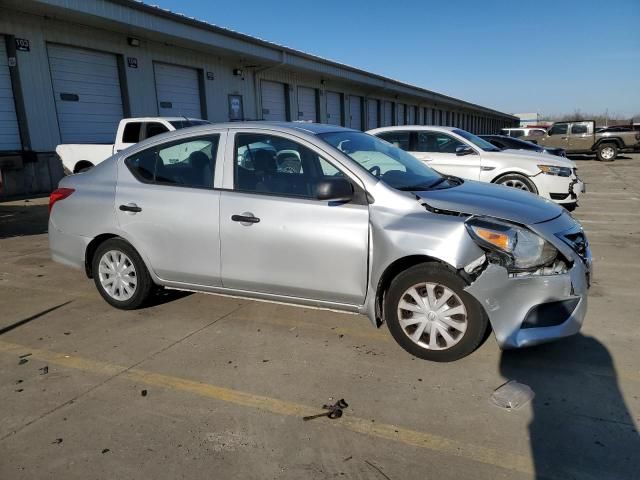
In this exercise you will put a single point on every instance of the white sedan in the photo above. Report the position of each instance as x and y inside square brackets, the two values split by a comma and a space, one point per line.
[453, 151]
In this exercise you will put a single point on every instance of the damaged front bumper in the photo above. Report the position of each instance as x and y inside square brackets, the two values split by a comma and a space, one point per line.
[526, 310]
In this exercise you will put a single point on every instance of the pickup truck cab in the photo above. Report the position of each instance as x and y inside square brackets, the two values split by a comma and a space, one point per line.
[77, 158]
[581, 137]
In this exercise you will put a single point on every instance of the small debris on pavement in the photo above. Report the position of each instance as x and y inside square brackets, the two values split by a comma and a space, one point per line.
[19, 390]
[512, 395]
[22, 361]
[44, 370]
[57, 441]
[348, 458]
[25, 355]
[18, 382]
[143, 393]
[333, 411]
[105, 450]
[67, 333]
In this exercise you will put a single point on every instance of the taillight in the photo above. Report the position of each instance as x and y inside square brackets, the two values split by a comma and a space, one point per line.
[59, 194]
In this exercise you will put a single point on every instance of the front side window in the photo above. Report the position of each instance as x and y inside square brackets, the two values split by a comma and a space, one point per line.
[437, 142]
[397, 139]
[393, 166]
[579, 128]
[559, 129]
[276, 165]
[185, 163]
[131, 133]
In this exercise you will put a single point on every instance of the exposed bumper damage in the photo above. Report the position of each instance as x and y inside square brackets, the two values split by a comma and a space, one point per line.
[511, 300]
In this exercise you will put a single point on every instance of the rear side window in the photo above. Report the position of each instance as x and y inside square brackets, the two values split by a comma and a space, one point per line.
[516, 133]
[559, 129]
[185, 163]
[131, 132]
[154, 128]
[397, 139]
[437, 142]
[578, 128]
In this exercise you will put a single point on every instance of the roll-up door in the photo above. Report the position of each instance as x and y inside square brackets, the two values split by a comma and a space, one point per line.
[355, 112]
[177, 91]
[86, 86]
[400, 114]
[387, 114]
[334, 108]
[9, 132]
[372, 114]
[307, 104]
[411, 115]
[274, 101]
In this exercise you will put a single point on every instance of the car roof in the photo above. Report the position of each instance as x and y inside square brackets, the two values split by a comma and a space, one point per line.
[306, 127]
[401, 128]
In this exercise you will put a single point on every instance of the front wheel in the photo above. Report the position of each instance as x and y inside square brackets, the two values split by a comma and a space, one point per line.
[431, 316]
[515, 180]
[120, 275]
[607, 152]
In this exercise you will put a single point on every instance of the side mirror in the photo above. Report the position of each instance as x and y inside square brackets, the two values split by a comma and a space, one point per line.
[334, 189]
[464, 150]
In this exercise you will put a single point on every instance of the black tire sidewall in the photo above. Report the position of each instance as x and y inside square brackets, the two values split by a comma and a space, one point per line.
[602, 147]
[433, 272]
[144, 285]
[517, 176]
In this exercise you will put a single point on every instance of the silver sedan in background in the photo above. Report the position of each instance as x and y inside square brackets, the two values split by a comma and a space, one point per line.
[323, 216]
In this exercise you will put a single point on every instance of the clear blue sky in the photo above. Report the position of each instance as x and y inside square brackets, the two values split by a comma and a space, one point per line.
[542, 56]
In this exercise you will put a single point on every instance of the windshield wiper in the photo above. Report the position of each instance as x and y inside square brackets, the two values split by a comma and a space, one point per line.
[423, 186]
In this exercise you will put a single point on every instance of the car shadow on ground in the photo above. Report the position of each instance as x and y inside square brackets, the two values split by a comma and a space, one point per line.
[576, 157]
[581, 426]
[23, 220]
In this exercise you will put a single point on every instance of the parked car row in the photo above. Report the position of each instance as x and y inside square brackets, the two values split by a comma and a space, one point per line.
[329, 217]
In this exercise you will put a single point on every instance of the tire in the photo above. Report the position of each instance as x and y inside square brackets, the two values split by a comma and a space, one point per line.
[470, 321]
[607, 152]
[515, 180]
[570, 207]
[133, 287]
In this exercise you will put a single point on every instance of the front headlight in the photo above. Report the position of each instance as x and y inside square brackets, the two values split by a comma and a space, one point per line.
[519, 249]
[553, 170]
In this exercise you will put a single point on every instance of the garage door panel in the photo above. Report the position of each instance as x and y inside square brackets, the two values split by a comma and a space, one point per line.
[372, 114]
[9, 131]
[274, 106]
[177, 90]
[94, 78]
[307, 109]
[334, 108]
[355, 112]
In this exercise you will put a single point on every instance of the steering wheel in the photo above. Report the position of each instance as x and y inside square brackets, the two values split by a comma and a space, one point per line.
[375, 171]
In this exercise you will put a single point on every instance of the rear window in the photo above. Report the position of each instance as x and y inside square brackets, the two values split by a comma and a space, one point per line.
[178, 124]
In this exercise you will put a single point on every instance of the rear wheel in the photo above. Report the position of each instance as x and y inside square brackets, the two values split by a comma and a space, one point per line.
[431, 316]
[607, 152]
[518, 181]
[120, 275]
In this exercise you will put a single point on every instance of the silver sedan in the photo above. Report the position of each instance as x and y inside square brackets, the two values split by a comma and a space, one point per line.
[323, 216]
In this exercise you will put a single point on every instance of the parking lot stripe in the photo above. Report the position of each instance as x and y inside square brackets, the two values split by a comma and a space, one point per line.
[485, 455]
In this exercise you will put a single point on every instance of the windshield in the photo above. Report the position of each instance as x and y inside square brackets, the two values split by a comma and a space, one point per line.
[178, 124]
[393, 166]
[477, 141]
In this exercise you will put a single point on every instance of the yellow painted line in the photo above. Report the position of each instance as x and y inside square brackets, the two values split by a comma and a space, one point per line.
[481, 454]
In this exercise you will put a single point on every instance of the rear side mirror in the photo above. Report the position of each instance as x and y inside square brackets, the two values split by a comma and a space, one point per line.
[464, 150]
[334, 189]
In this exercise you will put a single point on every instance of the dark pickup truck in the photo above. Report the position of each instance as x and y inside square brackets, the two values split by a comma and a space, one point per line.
[581, 137]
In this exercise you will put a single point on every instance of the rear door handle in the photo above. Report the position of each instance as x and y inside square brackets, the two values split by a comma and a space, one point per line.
[245, 219]
[130, 207]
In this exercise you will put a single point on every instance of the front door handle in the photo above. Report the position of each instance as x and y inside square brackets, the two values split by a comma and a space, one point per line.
[245, 219]
[130, 207]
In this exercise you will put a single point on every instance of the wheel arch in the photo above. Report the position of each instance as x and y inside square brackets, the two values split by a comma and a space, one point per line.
[516, 172]
[81, 164]
[393, 270]
[98, 240]
[616, 140]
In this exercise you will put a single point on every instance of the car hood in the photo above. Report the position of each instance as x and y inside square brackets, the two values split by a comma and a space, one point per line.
[525, 155]
[506, 203]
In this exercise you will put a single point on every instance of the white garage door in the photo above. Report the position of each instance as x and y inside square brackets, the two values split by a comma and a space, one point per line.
[411, 115]
[372, 114]
[400, 114]
[387, 114]
[334, 108]
[307, 109]
[9, 133]
[355, 112]
[274, 102]
[177, 91]
[86, 87]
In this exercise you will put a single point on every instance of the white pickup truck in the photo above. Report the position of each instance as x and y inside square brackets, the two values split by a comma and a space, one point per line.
[77, 158]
